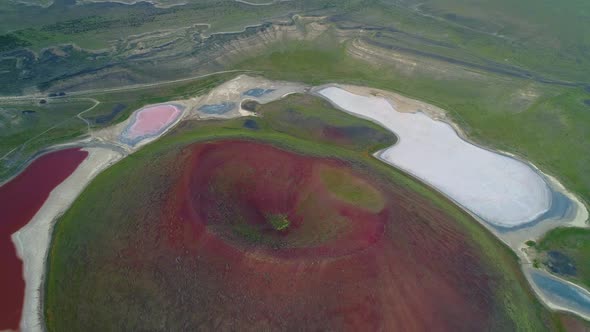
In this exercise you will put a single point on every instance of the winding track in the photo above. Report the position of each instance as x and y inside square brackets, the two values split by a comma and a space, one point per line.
[127, 87]
[79, 116]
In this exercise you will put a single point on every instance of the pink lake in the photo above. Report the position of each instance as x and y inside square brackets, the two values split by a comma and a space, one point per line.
[149, 121]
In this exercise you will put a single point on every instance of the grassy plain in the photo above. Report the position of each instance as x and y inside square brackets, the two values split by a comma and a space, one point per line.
[307, 118]
[97, 26]
[27, 127]
[547, 38]
[575, 244]
[355, 192]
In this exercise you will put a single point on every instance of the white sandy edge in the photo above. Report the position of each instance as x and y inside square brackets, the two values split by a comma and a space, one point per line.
[32, 241]
[244, 112]
[579, 219]
[156, 4]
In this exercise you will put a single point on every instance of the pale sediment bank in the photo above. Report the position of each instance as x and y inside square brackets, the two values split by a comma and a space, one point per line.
[225, 101]
[157, 4]
[32, 241]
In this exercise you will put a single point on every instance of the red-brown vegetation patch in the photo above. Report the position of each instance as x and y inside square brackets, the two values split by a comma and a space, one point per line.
[336, 266]
[574, 324]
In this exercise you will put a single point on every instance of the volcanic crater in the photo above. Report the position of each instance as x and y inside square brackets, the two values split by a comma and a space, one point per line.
[254, 195]
[300, 240]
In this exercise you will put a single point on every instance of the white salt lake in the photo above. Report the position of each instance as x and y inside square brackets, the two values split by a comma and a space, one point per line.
[501, 190]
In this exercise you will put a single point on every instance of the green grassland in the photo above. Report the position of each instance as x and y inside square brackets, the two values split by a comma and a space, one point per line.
[115, 39]
[543, 36]
[574, 243]
[27, 127]
[97, 26]
[71, 255]
[354, 192]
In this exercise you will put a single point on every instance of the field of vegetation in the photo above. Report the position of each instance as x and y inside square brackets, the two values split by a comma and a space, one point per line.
[566, 252]
[28, 127]
[544, 37]
[76, 267]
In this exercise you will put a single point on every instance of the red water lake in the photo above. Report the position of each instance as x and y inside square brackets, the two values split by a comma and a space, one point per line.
[20, 199]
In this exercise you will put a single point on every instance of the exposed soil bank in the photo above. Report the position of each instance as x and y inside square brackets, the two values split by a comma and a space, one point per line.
[20, 199]
[225, 101]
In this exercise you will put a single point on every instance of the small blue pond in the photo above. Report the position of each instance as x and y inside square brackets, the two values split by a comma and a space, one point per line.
[563, 293]
[218, 108]
[251, 124]
[257, 92]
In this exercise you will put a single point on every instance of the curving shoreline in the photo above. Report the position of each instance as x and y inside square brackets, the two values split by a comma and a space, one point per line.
[32, 241]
